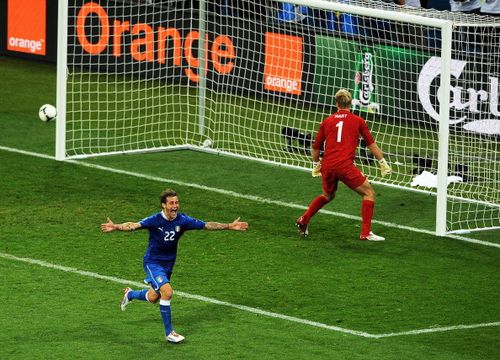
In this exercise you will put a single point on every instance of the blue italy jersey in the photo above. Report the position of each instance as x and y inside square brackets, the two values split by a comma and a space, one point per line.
[164, 234]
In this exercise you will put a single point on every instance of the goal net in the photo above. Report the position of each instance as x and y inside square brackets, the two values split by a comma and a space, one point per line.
[255, 79]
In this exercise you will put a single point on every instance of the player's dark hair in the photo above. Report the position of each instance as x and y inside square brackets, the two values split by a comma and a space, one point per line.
[166, 194]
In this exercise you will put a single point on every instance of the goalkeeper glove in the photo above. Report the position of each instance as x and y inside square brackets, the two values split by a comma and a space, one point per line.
[316, 170]
[385, 169]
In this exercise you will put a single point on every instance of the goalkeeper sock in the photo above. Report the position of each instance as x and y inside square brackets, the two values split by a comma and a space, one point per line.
[137, 295]
[318, 202]
[366, 217]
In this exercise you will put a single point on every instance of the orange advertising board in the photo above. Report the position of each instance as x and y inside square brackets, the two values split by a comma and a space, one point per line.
[26, 26]
[151, 43]
[283, 63]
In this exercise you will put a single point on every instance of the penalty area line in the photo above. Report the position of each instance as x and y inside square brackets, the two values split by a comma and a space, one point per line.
[249, 309]
[248, 197]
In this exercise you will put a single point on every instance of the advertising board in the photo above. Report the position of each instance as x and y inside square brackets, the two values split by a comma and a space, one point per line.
[399, 84]
[28, 29]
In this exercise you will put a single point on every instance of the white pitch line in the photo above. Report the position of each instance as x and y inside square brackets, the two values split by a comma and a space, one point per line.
[248, 197]
[247, 308]
[188, 296]
[439, 329]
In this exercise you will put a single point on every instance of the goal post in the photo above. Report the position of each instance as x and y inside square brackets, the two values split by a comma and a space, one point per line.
[62, 55]
[254, 80]
[443, 130]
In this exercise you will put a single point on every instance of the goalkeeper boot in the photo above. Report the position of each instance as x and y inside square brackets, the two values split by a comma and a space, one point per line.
[372, 237]
[302, 226]
[173, 337]
[125, 300]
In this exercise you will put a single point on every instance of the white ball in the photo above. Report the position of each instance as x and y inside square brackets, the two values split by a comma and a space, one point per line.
[207, 143]
[47, 112]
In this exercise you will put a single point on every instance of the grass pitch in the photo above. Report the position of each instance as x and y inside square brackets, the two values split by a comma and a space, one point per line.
[414, 296]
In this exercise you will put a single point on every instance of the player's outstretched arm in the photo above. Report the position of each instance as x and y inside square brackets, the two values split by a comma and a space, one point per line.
[235, 225]
[111, 226]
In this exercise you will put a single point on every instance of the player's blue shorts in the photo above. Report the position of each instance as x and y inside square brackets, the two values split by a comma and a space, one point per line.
[158, 273]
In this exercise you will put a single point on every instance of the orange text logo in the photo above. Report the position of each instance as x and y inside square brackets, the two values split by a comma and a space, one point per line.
[283, 63]
[150, 44]
[26, 26]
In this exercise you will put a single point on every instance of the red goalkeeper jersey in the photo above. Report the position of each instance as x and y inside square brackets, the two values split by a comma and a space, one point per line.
[340, 132]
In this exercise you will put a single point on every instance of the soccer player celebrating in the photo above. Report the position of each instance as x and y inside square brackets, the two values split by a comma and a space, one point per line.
[340, 133]
[165, 229]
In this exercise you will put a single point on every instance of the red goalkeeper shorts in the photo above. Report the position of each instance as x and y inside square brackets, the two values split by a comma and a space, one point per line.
[349, 175]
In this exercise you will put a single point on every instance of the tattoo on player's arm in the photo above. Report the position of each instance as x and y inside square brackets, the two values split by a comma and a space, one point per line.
[216, 226]
[128, 226]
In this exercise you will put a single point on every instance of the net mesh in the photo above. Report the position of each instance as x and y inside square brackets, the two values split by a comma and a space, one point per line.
[138, 82]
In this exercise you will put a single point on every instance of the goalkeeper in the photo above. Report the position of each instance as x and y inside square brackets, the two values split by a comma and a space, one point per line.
[340, 133]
